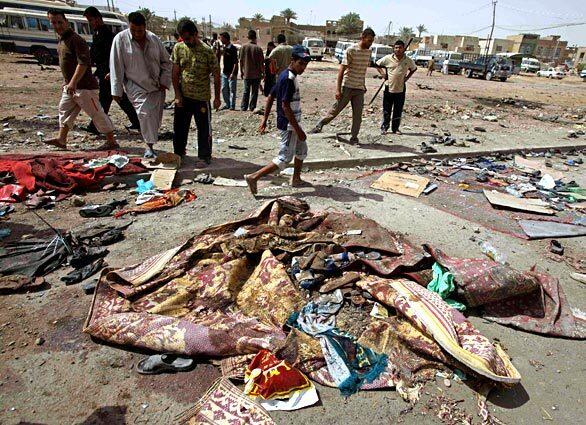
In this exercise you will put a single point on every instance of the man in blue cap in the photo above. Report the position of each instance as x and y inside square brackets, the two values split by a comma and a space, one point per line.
[293, 139]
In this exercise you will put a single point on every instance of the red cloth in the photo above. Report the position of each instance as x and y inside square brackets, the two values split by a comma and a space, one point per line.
[62, 173]
[11, 193]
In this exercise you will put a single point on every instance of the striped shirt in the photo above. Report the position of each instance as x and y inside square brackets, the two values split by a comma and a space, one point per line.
[357, 61]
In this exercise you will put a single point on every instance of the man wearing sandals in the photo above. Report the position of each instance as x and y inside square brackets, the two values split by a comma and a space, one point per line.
[141, 67]
[80, 92]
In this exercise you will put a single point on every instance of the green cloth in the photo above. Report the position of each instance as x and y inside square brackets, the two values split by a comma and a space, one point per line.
[197, 63]
[443, 284]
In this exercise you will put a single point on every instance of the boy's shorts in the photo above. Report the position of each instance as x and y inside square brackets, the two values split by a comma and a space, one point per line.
[290, 147]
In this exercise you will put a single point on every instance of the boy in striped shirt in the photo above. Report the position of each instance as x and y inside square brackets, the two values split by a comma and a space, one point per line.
[350, 87]
[293, 138]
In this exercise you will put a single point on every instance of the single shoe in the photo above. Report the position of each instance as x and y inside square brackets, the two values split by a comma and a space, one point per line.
[164, 363]
[383, 131]
[398, 132]
[425, 148]
[133, 127]
[354, 140]
[232, 109]
[149, 153]
[315, 130]
[91, 129]
[225, 107]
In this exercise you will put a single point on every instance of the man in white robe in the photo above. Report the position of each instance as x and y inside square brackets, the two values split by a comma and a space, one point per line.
[141, 67]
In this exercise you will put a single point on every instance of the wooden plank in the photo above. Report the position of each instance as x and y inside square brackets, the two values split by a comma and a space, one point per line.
[522, 204]
[163, 179]
[163, 161]
[403, 183]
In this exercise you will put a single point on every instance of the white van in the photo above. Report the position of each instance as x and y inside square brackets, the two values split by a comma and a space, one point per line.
[316, 47]
[530, 65]
[341, 47]
[379, 51]
[29, 31]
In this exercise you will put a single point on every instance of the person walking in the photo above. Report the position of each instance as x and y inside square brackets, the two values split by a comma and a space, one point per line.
[430, 66]
[80, 91]
[281, 54]
[193, 63]
[100, 53]
[140, 66]
[399, 68]
[350, 85]
[230, 72]
[293, 139]
[251, 71]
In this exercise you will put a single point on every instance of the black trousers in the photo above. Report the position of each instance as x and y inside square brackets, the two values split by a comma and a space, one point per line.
[392, 106]
[250, 95]
[202, 113]
[124, 103]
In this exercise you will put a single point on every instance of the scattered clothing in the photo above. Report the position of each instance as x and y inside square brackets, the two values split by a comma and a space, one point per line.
[443, 284]
[161, 363]
[170, 199]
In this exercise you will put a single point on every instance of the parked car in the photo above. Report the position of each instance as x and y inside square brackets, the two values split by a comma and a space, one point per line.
[583, 75]
[551, 73]
[341, 47]
[379, 51]
[488, 67]
[453, 62]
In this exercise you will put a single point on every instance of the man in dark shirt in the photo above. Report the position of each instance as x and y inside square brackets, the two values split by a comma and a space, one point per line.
[229, 73]
[100, 53]
[80, 91]
[251, 71]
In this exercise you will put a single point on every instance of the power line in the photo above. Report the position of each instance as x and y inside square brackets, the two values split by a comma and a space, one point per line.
[573, 24]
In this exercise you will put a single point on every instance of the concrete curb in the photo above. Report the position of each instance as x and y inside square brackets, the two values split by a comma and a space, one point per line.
[231, 172]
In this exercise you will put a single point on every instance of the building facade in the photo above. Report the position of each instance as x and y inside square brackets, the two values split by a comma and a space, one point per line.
[496, 45]
[524, 43]
[580, 55]
[454, 43]
[551, 49]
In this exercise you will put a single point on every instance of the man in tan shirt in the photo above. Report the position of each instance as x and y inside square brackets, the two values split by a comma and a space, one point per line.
[350, 86]
[281, 54]
[399, 68]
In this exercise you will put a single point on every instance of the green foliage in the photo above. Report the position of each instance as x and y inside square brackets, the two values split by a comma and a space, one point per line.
[289, 15]
[420, 29]
[349, 24]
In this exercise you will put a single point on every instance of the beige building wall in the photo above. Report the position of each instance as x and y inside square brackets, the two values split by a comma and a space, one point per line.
[497, 45]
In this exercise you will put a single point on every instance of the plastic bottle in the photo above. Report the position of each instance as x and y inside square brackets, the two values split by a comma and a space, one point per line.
[492, 253]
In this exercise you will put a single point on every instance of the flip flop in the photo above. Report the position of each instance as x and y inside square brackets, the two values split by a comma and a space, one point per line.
[53, 142]
[162, 363]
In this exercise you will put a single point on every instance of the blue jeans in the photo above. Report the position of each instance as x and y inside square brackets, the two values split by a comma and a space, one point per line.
[229, 91]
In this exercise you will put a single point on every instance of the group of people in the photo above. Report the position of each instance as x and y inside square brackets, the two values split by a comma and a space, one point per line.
[134, 69]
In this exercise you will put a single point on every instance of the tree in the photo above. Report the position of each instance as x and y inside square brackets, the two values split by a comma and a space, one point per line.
[349, 24]
[289, 15]
[406, 33]
[420, 29]
[147, 13]
[258, 17]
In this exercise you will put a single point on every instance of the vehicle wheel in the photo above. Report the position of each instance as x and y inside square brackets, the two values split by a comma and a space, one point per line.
[488, 76]
[503, 79]
[43, 56]
[469, 73]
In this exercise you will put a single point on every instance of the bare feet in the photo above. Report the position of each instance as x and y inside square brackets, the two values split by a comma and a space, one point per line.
[56, 142]
[398, 132]
[251, 182]
[300, 183]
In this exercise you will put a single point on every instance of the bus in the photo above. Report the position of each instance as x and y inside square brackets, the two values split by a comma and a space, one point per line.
[26, 28]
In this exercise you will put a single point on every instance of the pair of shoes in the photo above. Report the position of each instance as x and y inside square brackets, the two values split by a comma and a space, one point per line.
[315, 130]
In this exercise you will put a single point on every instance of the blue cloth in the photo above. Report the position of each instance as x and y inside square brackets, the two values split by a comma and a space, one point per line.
[287, 90]
[229, 91]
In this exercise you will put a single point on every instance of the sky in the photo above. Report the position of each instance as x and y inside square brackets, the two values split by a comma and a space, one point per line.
[462, 17]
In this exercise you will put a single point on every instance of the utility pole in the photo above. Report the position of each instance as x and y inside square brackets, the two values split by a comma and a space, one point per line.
[210, 16]
[490, 35]
[175, 14]
[108, 3]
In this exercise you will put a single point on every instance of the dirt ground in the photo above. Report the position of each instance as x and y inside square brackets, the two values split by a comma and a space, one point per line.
[72, 379]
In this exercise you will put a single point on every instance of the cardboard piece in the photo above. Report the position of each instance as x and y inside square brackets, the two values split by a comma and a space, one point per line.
[222, 181]
[523, 204]
[537, 164]
[163, 161]
[403, 183]
[537, 229]
[163, 179]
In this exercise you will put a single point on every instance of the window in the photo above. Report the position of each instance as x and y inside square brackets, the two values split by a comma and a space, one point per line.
[268, 31]
[3, 21]
[32, 23]
[444, 45]
[499, 48]
[45, 24]
[15, 22]
[469, 47]
[84, 28]
[581, 54]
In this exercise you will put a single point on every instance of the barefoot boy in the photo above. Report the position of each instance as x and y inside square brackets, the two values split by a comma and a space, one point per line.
[293, 138]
